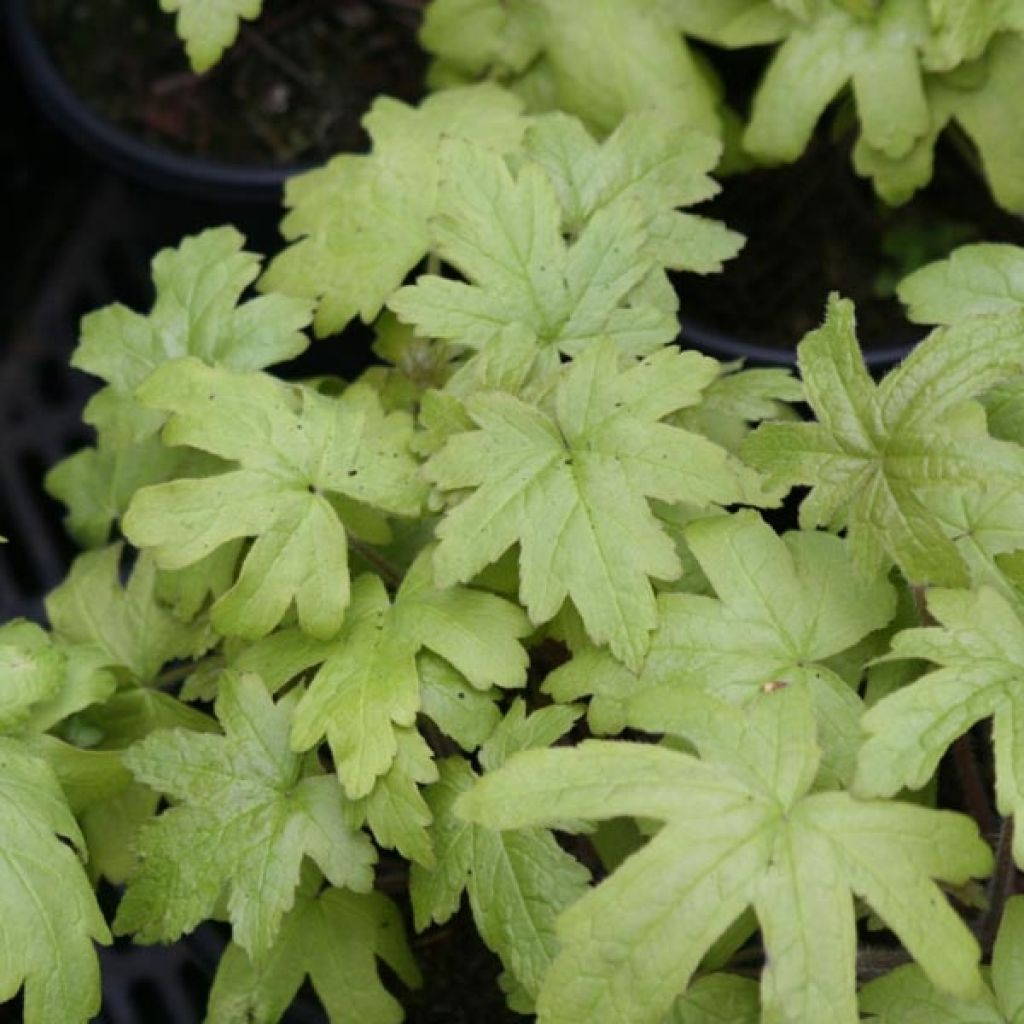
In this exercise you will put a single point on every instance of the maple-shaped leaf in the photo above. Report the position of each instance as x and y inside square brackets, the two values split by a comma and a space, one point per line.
[136, 635]
[570, 486]
[243, 818]
[209, 27]
[298, 454]
[985, 525]
[881, 56]
[332, 936]
[502, 230]
[740, 398]
[975, 280]
[876, 451]
[984, 100]
[784, 606]
[517, 882]
[50, 918]
[97, 484]
[741, 829]
[906, 996]
[978, 646]
[367, 686]
[651, 162]
[361, 223]
[196, 313]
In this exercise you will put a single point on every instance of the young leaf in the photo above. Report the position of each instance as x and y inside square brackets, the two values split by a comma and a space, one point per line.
[517, 882]
[741, 828]
[334, 937]
[974, 281]
[876, 452]
[244, 818]
[196, 313]
[360, 224]
[209, 27]
[651, 162]
[502, 231]
[906, 996]
[571, 489]
[50, 918]
[718, 999]
[979, 648]
[785, 605]
[296, 450]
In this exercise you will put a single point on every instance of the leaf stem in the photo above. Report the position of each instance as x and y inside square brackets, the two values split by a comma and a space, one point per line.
[387, 569]
[1001, 886]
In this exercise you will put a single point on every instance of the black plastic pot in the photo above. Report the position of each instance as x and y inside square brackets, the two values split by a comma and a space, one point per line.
[158, 168]
[728, 347]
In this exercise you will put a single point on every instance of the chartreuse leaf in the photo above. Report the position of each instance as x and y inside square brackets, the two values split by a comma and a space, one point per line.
[96, 484]
[136, 635]
[978, 646]
[736, 23]
[741, 828]
[505, 231]
[298, 454]
[962, 29]
[570, 485]
[367, 688]
[209, 27]
[245, 815]
[556, 60]
[718, 999]
[50, 917]
[985, 101]
[332, 936]
[784, 606]
[473, 39]
[31, 670]
[651, 162]
[880, 56]
[360, 224]
[876, 452]
[117, 638]
[975, 280]
[196, 313]
[906, 996]
[517, 882]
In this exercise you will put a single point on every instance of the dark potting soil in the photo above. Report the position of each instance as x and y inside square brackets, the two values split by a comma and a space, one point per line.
[291, 89]
[814, 227]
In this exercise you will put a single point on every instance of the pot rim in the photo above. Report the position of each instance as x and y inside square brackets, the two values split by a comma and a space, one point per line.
[132, 156]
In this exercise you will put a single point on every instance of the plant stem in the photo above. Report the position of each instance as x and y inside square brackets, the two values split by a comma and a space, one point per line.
[975, 797]
[391, 573]
[1000, 887]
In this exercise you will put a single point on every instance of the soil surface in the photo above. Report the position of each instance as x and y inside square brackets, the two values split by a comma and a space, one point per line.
[291, 89]
[815, 227]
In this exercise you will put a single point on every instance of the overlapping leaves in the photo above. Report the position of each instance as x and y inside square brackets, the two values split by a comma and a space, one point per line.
[570, 485]
[300, 458]
[247, 811]
[877, 452]
[741, 828]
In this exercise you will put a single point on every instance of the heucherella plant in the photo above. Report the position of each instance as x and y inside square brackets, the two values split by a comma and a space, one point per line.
[913, 68]
[337, 652]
